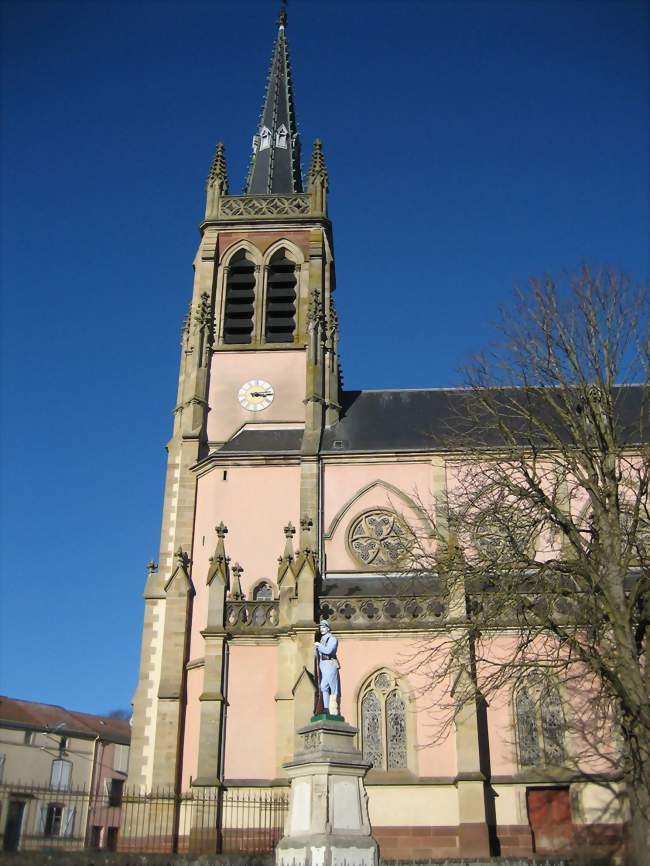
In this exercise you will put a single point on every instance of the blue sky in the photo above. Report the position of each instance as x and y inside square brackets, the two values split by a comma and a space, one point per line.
[470, 145]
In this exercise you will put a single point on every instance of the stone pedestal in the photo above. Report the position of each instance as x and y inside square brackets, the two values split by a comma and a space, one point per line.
[328, 821]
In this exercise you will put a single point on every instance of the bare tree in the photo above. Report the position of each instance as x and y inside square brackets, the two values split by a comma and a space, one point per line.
[546, 559]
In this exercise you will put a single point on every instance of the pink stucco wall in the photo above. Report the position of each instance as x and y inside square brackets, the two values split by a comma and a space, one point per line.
[343, 484]
[285, 371]
[102, 814]
[255, 503]
[251, 714]
[435, 756]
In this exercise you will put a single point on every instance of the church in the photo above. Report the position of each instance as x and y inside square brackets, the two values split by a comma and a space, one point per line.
[287, 500]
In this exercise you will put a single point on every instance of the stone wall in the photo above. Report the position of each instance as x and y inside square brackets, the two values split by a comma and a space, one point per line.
[106, 858]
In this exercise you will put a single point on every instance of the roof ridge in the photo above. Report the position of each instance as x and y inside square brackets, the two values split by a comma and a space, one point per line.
[383, 390]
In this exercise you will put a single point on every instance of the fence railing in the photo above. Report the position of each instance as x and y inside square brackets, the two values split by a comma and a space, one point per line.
[202, 820]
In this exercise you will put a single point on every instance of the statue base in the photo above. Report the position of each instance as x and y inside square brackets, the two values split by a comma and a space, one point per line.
[326, 717]
[328, 822]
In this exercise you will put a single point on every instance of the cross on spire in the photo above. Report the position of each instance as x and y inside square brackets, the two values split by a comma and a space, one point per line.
[282, 17]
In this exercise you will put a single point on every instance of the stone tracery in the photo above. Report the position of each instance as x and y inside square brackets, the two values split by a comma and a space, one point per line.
[378, 538]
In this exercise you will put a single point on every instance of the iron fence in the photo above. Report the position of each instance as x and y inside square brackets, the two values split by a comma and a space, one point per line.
[199, 821]
[204, 820]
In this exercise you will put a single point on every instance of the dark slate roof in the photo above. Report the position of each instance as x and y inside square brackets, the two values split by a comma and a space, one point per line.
[264, 441]
[384, 586]
[391, 420]
[426, 419]
[276, 170]
[423, 420]
[29, 715]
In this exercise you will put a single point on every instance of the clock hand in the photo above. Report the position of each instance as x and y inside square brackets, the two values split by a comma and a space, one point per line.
[261, 393]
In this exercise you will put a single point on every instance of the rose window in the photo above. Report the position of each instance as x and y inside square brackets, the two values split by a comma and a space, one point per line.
[378, 538]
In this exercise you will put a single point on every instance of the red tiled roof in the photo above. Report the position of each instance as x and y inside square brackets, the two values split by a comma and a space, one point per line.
[51, 717]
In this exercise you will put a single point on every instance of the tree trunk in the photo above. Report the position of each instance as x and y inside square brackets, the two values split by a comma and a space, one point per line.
[639, 828]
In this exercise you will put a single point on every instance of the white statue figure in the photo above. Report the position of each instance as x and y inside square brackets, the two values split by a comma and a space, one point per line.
[330, 682]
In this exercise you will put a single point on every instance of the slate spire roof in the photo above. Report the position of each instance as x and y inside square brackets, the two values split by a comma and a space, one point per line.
[275, 163]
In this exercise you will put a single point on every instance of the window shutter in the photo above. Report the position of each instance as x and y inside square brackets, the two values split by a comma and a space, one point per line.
[40, 824]
[68, 821]
[281, 299]
[240, 299]
[55, 776]
[60, 777]
[121, 758]
[66, 770]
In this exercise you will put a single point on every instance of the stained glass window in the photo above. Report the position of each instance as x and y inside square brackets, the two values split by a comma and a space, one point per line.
[540, 724]
[383, 723]
[527, 729]
[396, 731]
[373, 747]
[552, 727]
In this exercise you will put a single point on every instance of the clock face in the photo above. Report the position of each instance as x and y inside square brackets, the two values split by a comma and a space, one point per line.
[256, 395]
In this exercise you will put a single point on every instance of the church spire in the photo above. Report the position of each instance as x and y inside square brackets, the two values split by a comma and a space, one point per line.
[275, 163]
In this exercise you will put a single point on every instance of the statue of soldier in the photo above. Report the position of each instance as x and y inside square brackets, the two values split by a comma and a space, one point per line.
[330, 682]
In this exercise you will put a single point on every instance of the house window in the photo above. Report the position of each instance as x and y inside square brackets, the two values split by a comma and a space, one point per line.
[56, 820]
[53, 818]
[540, 724]
[281, 284]
[60, 775]
[240, 299]
[114, 790]
[263, 592]
[111, 838]
[120, 758]
[96, 837]
[383, 723]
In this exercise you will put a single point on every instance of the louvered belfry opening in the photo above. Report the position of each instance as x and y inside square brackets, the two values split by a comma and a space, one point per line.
[240, 300]
[281, 299]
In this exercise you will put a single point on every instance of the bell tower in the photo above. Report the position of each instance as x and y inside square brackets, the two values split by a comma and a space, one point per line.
[259, 352]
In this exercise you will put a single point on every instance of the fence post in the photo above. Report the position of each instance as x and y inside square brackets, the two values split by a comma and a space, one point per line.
[219, 818]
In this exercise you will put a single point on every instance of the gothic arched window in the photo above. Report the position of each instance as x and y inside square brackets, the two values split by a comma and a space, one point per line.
[265, 138]
[281, 136]
[382, 709]
[540, 724]
[263, 592]
[240, 299]
[280, 321]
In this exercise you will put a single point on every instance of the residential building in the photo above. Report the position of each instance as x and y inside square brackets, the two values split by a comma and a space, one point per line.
[61, 776]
